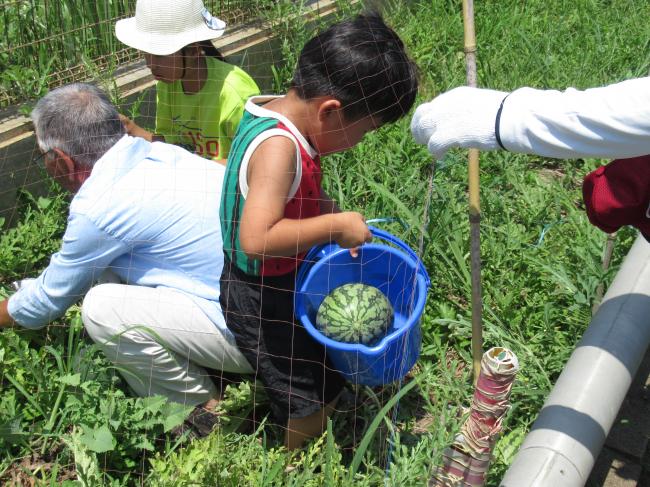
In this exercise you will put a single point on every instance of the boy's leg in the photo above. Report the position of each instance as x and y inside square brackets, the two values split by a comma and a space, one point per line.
[129, 323]
[300, 430]
[293, 367]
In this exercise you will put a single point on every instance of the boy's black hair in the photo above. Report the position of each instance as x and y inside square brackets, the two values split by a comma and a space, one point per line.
[362, 63]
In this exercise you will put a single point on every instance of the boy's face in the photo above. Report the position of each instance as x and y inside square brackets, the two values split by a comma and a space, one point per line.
[165, 68]
[337, 134]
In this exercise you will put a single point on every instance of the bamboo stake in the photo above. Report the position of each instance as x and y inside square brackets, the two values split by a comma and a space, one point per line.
[607, 257]
[474, 200]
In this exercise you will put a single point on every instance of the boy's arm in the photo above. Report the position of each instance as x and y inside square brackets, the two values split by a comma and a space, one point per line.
[134, 130]
[264, 232]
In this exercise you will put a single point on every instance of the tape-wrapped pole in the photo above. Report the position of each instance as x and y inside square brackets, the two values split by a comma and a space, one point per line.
[466, 461]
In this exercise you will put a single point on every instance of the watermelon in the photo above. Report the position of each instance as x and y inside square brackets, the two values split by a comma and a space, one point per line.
[355, 313]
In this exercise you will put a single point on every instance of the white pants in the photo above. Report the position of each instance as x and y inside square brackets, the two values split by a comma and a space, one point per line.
[162, 339]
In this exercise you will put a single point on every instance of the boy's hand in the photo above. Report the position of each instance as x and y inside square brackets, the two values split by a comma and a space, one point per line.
[134, 130]
[352, 231]
[463, 117]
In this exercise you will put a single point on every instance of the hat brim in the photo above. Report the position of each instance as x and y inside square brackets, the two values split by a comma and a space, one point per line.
[162, 44]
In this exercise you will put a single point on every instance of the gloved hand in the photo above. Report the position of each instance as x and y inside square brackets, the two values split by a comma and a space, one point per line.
[462, 117]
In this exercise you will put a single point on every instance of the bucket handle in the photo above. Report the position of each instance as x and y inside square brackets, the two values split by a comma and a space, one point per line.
[397, 242]
[376, 232]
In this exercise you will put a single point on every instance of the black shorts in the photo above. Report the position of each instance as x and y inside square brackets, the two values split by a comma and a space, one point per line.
[293, 366]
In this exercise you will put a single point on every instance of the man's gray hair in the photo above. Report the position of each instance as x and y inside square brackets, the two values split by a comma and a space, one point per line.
[79, 120]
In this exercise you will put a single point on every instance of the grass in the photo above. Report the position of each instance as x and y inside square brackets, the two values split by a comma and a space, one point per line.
[45, 44]
[66, 416]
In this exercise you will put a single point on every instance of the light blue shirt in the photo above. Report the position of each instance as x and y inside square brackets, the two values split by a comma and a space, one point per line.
[150, 213]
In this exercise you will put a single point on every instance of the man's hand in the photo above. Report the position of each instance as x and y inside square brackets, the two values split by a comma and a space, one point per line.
[6, 321]
[463, 117]
[352, 231]
[134, 130]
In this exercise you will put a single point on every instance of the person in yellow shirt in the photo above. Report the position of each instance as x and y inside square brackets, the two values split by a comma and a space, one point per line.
[199, 97]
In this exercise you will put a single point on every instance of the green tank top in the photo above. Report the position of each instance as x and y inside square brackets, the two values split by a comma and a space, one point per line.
[304, 201]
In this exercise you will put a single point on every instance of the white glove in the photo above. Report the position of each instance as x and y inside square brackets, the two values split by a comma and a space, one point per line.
[463, 117]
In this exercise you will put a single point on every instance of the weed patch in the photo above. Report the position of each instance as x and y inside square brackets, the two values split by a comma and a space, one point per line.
[65, 412]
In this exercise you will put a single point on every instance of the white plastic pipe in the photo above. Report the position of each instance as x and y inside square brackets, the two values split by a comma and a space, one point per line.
[565, 441]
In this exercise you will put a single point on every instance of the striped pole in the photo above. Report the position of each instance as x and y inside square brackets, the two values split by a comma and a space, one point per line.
[465, 463]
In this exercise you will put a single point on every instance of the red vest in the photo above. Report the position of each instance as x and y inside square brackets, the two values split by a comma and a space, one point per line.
[304, 204]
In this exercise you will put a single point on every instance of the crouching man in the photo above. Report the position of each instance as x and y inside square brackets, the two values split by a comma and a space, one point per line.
[149, 214]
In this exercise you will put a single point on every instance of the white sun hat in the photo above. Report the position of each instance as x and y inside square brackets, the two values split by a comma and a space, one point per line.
[163, 27]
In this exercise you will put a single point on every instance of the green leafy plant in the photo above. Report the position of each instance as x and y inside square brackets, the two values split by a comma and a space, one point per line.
[47, 44]
[25, 248]
[67, 416]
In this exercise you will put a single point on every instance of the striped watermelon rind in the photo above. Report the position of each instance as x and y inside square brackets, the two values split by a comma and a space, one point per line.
[355, 313]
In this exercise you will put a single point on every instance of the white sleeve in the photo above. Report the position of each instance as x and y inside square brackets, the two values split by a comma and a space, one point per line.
[608, 122]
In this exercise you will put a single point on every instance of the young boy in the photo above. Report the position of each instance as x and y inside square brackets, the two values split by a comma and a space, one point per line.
[350, 79]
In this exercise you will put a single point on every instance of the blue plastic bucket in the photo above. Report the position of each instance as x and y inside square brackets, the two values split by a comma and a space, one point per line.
[398, 272]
